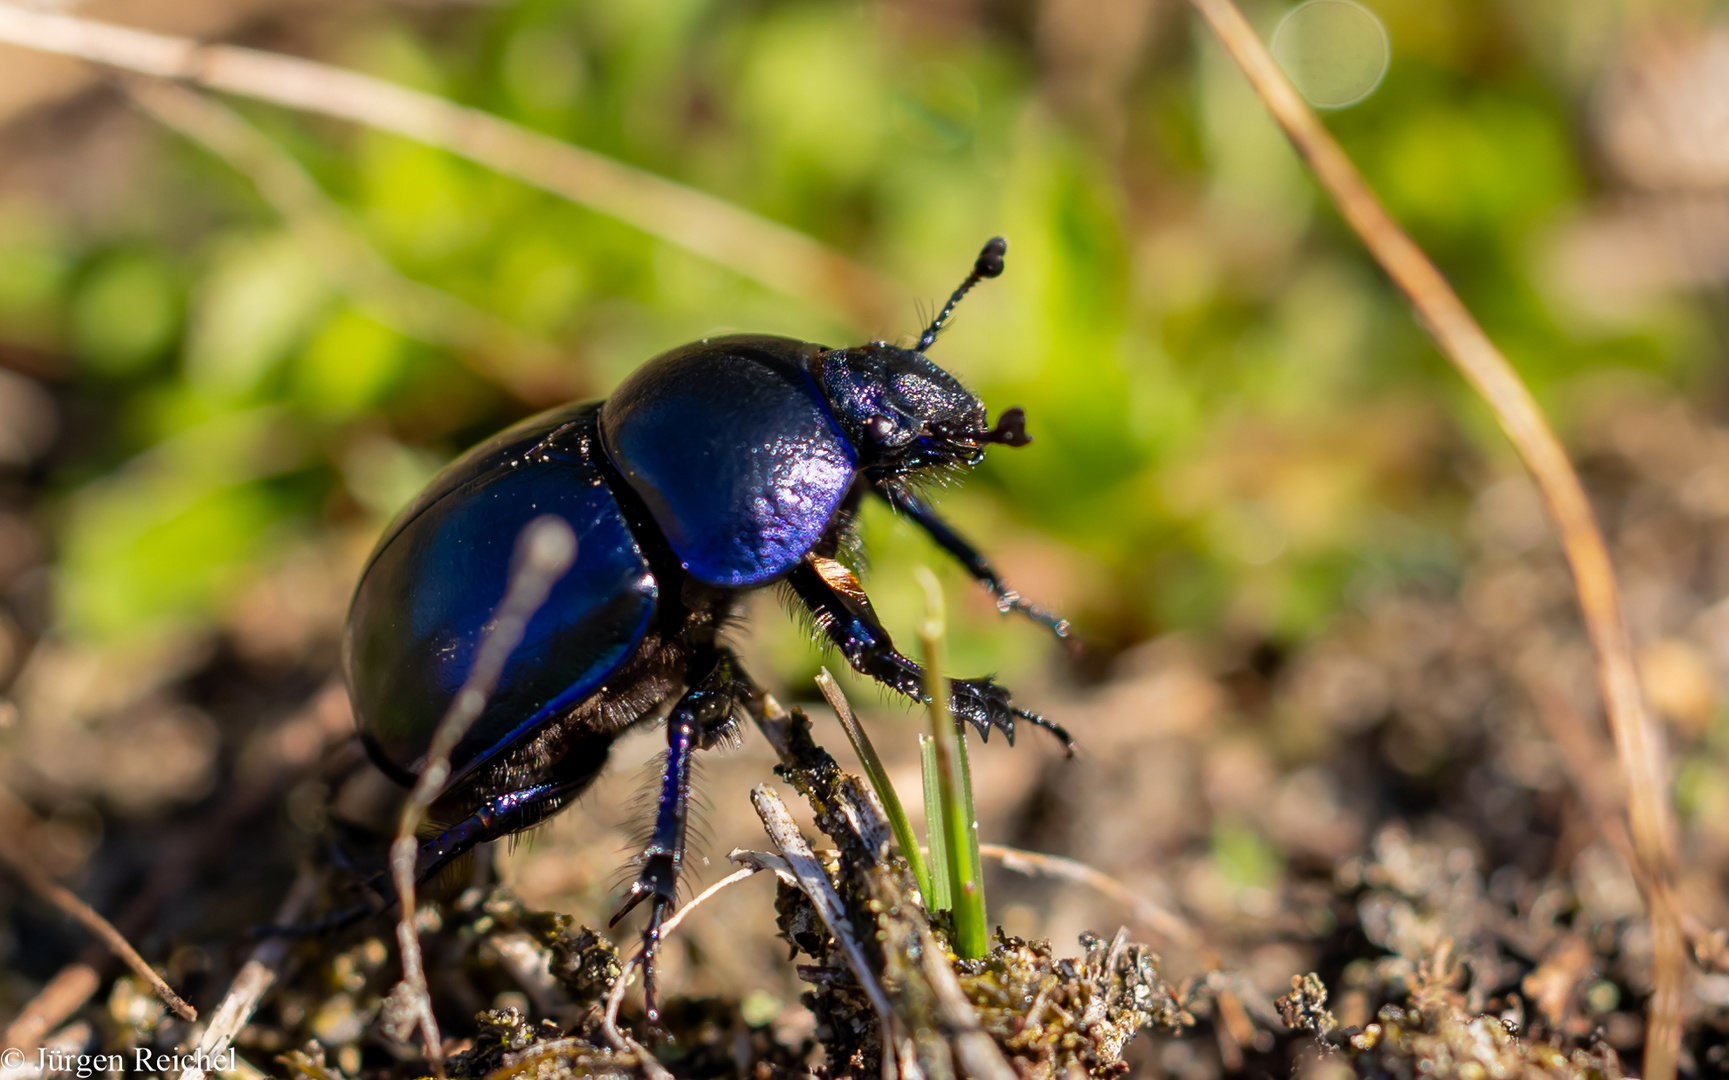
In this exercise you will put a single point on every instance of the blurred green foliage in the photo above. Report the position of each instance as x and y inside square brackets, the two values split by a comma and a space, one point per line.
[1238, 423]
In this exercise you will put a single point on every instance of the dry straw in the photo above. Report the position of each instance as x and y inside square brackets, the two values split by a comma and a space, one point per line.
[752, 246]
[1637, 742]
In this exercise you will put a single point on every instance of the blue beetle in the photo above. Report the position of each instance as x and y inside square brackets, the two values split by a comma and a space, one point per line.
[716, 468]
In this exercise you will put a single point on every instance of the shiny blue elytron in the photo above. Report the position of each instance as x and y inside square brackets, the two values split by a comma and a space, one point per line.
[429, 591]
[717, 468]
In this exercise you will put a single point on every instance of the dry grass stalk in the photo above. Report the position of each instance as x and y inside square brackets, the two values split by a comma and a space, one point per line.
[255, 977]
[1161, 920]
[813, 881]
[14, 828]
[545, 550]
[1598, 782]
[754, 247]
[62, 996]
[1638, 743]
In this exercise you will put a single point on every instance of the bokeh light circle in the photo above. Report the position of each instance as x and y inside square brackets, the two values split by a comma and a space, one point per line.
[1335, 51]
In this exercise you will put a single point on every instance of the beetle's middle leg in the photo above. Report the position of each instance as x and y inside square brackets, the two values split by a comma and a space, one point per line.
[699, 719]
[844, 614]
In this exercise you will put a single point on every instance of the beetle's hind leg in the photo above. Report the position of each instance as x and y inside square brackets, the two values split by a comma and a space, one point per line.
[504, 814]
[511, 812]
[702, 716]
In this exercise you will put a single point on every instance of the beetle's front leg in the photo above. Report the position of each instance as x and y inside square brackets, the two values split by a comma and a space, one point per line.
[700, 718]
[902, 499]
[843, 613]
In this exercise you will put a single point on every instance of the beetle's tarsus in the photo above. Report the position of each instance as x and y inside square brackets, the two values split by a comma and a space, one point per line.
[650, 953]
[1051, 726]
[658, 880]
[1008, 600]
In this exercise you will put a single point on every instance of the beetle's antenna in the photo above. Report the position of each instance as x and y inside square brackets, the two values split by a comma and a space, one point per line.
[989, 265]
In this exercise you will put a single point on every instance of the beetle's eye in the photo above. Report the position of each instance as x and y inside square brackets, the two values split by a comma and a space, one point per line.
[879, 428]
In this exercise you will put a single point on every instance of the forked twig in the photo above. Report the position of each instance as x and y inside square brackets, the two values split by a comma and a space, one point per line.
[767, 252]
[254, 978]
[1638, 743]
[545, 550]
[21, 864]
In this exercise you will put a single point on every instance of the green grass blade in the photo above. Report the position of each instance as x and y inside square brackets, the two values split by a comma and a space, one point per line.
[964, 773]
[879, 779]
[942, 887]
[972, 933]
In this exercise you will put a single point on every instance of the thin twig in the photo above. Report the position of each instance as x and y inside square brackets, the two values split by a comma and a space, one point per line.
[1638, 743]
[615, 996]
[499, 350]
[1161, 920]
[12, 832]
[765, 251]
[254, 978]
[622, 1040]
[59, 998]
[545, 550]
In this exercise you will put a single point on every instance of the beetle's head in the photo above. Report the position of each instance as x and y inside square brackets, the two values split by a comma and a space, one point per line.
[902, 412]
[906, 414]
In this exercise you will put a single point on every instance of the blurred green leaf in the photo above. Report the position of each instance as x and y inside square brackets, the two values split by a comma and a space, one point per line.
[349, 364]
[125, 313]
[255, 305]
[1236, 418]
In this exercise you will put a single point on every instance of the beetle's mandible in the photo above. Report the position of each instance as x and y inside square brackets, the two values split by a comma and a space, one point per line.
[716, 468]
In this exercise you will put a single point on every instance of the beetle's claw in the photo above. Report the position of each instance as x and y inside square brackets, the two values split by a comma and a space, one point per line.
[656, 882]
[638, 893]
[657, 879]
[650, 952]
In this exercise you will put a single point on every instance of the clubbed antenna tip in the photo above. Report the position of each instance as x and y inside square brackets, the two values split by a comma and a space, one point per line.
[990, 262]
[988, 265]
